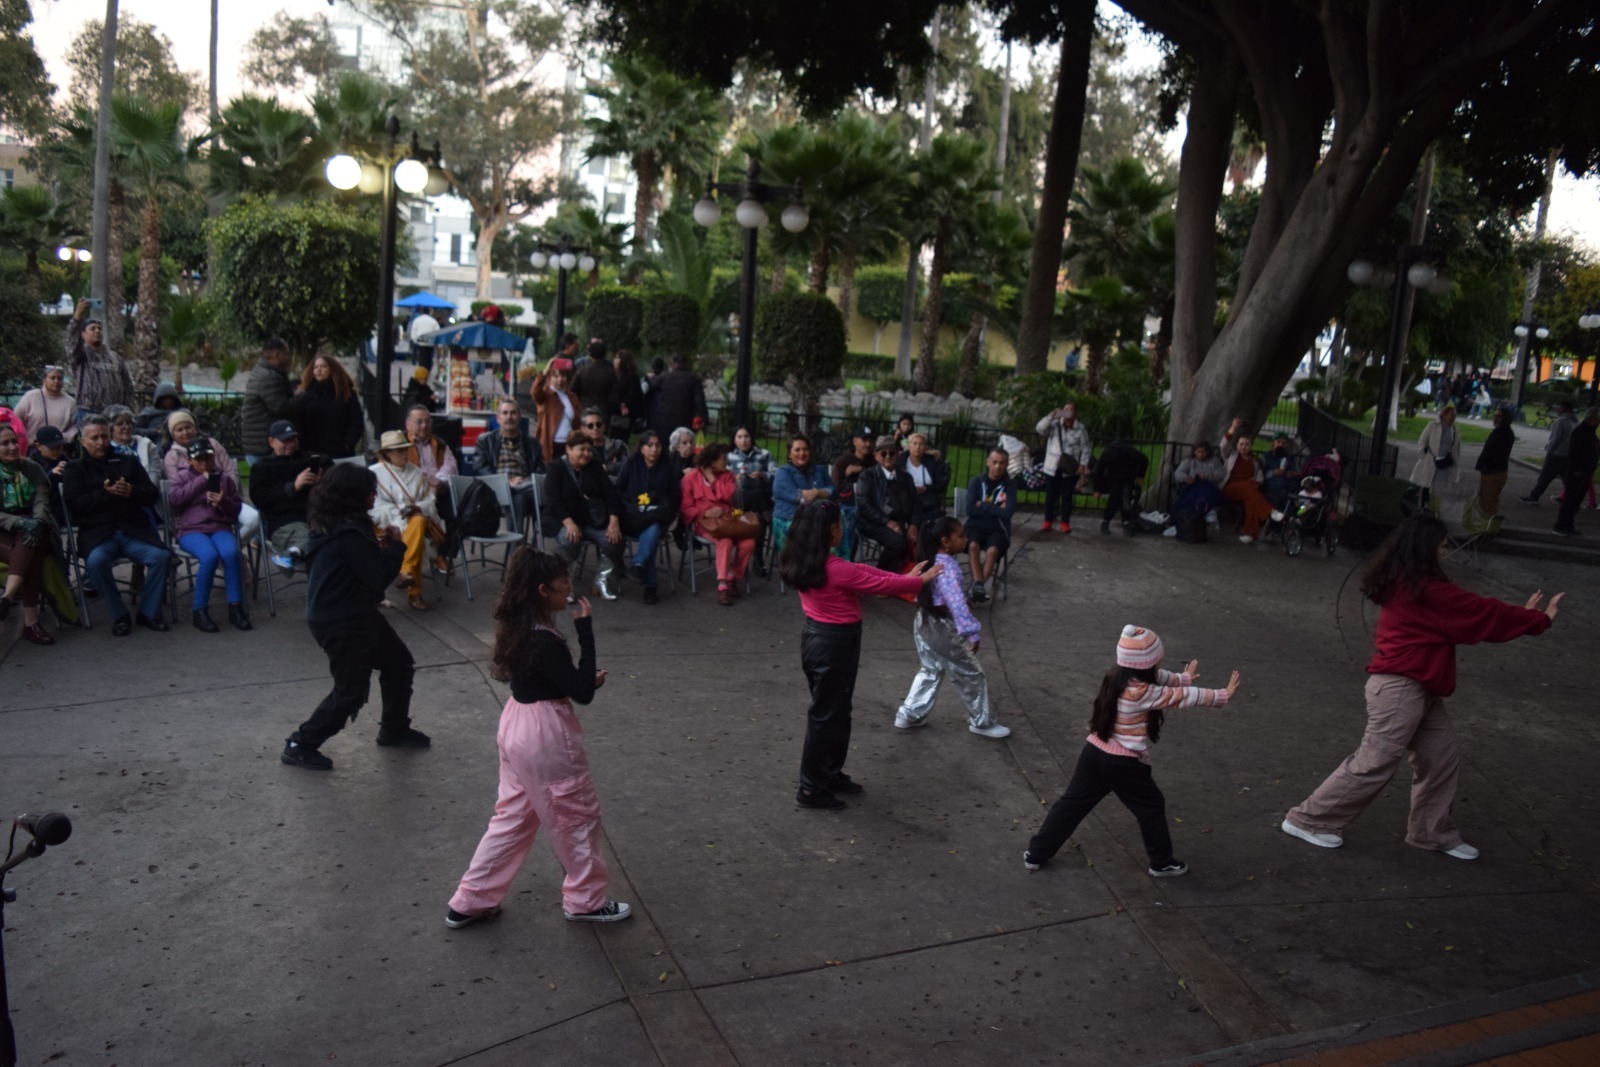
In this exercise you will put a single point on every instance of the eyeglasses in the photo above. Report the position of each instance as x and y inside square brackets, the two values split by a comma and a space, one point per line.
[593, 425]
[886, 451]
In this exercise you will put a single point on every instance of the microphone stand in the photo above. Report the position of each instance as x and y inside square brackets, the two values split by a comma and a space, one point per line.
[8, 1037]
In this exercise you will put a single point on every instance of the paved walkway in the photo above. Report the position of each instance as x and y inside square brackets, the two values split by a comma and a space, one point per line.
[215, 906]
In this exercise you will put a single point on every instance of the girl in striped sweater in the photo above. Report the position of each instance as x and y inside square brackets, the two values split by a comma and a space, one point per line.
[1116, 757]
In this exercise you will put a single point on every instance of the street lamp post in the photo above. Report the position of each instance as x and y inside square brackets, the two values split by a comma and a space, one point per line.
[751, 194]
[391, 169]
[1591, 321]
[77, 257]
[564, 256]
[1526, 333]
[1410, 268]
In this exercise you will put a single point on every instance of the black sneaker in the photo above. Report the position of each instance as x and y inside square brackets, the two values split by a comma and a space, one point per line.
[843, 783]
[455, 920]
[297, 755]
[636, 572]
[407, 738]
[122, 627]
[649, 594]
[1105, 527]
[152, 622]
[1528, 499]
[1171, 870]
[614, 911]
[818, 798]
[1030, 862]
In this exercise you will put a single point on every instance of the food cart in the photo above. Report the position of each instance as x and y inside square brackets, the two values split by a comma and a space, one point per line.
[468, 396]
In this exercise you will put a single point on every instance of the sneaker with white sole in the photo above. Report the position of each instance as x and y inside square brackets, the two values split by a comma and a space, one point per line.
[902, 722]
[1246, 539]
[1170, 870]
[1030, 862]
[994, 730]
[1462, 851]
[614, 911]
[1315, 838]
[455, 920]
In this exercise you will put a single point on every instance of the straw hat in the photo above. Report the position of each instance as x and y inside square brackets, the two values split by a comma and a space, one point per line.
[394, 441]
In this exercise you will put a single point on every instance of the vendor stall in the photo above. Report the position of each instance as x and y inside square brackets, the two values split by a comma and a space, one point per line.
[480, 371]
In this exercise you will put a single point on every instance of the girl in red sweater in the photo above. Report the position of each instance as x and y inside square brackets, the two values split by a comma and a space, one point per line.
[830, 645]
[1424, 617]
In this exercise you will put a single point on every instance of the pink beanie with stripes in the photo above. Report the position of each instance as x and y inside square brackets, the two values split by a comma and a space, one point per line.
[1138, 648]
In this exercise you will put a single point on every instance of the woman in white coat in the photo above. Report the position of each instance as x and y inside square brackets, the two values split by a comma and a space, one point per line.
[1438, 453]
[404, 501]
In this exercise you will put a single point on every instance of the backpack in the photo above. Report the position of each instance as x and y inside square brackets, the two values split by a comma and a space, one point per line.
[478, 515]
[1191, 523]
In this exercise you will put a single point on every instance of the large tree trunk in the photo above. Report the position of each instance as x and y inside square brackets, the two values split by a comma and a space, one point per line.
[489, 227]
[644, 197]
[1094, 364]
[116, 301]
[930, 316]
[1161, 350]
[972, 345]
[847, 283]
[145, 365]
[30, 273]
[1060, 170]
[818, 279]
[780, 274]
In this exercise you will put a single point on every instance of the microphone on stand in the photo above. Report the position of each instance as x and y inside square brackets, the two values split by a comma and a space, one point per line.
[51, 828]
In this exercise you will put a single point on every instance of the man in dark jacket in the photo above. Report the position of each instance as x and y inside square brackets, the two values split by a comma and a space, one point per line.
[107, 496]
[991, 502]
[597, 384]
[280, 488]
[1582, 456]
[680, 396]
[1556, 447]
[267, 394]
[511, 449]
[582, 504]
[1116, 476]
[350, 570]
[886, 507]
[1494, 462]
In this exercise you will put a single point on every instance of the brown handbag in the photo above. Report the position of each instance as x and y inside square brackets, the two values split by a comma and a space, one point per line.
[739, 526]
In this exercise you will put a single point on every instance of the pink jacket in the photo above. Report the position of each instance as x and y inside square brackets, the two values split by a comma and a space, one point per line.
[698, 496]
[192, 512]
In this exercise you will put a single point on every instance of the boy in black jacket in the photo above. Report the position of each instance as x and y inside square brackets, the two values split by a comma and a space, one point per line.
[350, 569]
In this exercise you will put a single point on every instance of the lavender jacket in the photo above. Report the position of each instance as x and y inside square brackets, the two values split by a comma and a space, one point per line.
[192, 512]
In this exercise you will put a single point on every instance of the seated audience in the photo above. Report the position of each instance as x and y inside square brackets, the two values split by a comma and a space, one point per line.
[280, 488]
[991, 501]
[511, 450]
[846, 470]
[126, 440]
[182, 430]
[707, 494]
[153, 418]
[680, 449]
[752, 468]
[405, 502]
[649, 489]
[49, 451]
[930, 478]
[1242, 481]
[886, 507]
[609, 454]
[1199, 480]
[419, 393]
[582, 504]
[27, 532]
[107, 496]
[435, 460]
[797, 482]
[1280, 471]
[204, 504]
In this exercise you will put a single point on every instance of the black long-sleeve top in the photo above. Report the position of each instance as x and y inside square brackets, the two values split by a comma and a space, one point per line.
[272, 489]
[349, 572]
[1496, 454]
[549, 673]
[662, 482]
[568, 492]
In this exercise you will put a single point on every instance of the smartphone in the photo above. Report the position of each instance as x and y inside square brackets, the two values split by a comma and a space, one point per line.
[125, 465]
[214, 482]
[96, 304]
[320, 461]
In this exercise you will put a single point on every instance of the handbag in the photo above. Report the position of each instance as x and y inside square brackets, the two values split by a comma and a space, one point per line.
[739, 526]
[1066, 462]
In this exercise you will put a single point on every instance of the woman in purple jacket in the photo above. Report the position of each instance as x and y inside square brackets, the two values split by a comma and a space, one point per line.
[205, 505]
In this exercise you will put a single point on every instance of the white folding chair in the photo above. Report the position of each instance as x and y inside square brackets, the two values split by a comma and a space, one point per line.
[1002, 569]
[180, 555]
[265, 567]
[510, 534]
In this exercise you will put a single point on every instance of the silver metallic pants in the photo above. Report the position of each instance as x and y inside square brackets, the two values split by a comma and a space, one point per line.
[945, 654]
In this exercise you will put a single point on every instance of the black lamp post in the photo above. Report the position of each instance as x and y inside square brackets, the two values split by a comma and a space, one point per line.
[391, 168]
[751, 194]
[564, 256]
[1410, 268]
[1588, 322]
[77, 257]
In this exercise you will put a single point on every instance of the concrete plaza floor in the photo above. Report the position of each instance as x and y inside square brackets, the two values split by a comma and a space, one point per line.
[216, 907]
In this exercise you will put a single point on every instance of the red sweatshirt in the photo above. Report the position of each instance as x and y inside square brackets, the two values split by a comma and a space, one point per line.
[1417, 637]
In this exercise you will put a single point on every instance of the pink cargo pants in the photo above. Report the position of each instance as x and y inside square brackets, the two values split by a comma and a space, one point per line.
[544, 780]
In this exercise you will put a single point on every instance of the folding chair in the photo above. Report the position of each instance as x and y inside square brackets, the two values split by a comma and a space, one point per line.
[630, 545]
[690, 560]
[264, 569]
[79, 572]
[509, 536]
[1002, 569]
[180, 555]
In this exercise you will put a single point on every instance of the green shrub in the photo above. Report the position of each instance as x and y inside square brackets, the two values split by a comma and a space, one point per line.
[867, 365]
[614, 314]
[510, 311]
[800, 340]
[671, 325]
[879, 291]
[26, 336]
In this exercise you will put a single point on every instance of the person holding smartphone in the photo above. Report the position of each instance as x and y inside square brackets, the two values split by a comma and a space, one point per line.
[205, 505]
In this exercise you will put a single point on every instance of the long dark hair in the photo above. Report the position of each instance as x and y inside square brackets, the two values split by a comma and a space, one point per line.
[342, 496]
[1104, 721]
[928, 546]
[709, 455]
[338, 377]
[521, 607]
[1407, 561]
[804, 564]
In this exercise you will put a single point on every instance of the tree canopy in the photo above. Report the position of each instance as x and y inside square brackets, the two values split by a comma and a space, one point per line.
[25, 88]
[145, 66]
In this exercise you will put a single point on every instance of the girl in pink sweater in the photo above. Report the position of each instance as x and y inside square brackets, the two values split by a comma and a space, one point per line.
[830, 645]
[1127, 718]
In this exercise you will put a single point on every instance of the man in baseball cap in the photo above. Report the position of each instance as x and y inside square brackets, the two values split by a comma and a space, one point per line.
[280, 488]
[1282, 470]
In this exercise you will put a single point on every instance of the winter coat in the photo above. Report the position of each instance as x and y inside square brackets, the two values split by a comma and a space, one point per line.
[192, 512]
[267, 395]
[327, 424]
[1431, 445]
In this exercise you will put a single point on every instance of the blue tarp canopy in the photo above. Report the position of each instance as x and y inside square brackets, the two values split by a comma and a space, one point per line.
[477, 335]
[423, 300]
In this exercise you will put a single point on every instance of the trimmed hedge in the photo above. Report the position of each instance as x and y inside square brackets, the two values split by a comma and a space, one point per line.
[800, 337]
[671, 325]
[615, 315]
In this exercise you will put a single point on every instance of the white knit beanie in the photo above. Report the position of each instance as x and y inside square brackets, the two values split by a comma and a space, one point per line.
[1138, 648]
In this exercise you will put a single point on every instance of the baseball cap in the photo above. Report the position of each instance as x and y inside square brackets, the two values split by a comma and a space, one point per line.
[282, 430]
[49, 436]
[201, 446]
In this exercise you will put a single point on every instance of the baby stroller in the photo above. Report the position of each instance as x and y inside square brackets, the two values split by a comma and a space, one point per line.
[1313, 513]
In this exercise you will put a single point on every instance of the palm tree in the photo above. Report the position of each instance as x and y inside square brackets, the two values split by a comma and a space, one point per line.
[949, 181]
[150, 140]
[69, 157]
[664, 125]
[582, 226]
[1103, 311]
[994, 250]
[261, 147]
[30, 219]
[874, 175]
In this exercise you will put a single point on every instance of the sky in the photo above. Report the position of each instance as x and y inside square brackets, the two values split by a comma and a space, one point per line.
[1574, 207]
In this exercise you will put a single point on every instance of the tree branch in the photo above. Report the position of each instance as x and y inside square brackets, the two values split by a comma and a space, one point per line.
[1469, 52]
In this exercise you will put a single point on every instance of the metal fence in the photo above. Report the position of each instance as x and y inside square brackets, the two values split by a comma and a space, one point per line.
[1319, 431]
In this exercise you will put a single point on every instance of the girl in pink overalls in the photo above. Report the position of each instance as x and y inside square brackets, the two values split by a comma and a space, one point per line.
[544, 774]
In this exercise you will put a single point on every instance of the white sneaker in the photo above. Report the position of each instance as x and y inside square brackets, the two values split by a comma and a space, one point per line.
[1277, 516]
[1170, 531]
[995, 731]
[901, 722]
[1246, 539]
[1462, 851]
[1211, 518]
[1320, 840]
